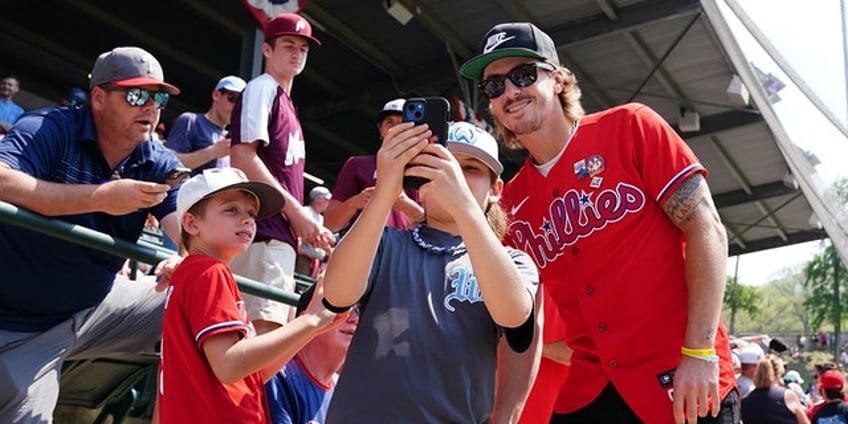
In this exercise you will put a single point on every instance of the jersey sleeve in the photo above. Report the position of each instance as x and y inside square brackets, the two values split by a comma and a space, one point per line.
[213, 305]
[178, 139]
[256, 103]
[664, 159]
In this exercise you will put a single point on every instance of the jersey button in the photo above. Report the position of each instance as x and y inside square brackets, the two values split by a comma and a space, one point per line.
[613, 363]
[602, 327]
[589, 290]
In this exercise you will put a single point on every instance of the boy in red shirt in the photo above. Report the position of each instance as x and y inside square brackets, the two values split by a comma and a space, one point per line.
[213, 366]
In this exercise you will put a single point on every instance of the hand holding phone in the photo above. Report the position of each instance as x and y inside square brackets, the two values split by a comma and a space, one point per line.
[432, 111]
[175, 176]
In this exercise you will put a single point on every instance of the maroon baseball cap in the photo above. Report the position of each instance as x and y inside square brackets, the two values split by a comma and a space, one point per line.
[290, 24]
[832, 379]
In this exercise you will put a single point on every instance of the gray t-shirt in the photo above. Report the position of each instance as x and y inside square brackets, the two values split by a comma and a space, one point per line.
[425, 347]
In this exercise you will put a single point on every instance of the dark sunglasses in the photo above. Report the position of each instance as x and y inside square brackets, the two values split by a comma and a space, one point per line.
[521, 75]
[140, 96]
[232, 97]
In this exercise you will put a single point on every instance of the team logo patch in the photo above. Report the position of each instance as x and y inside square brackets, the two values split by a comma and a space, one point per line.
[596, 182]
[595, 164]
[580, 169]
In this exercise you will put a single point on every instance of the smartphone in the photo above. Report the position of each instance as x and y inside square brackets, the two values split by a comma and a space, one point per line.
[434, 112]
[175, 176]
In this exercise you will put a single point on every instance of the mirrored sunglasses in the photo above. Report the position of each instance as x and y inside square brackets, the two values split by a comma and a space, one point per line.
[140, 96]
[521, 75]
[230, 96]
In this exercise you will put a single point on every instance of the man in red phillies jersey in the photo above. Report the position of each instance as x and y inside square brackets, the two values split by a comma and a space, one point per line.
[615, 210]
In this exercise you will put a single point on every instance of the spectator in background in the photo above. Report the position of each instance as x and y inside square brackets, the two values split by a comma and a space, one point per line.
[309, 257]
[792, 380]
[201, 140]
[268, 145]
[355, 184]
[301, 391]
[834, 410]
[75, 97]
[749, 358]
[816, 399]
[96, 167]
[9, 110]
[770, 403]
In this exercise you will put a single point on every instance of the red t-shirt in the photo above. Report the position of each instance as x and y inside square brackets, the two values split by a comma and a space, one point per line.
[610, 257]
[204, 300]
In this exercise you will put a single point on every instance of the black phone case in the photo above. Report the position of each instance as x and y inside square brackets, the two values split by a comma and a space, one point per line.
[435, 114]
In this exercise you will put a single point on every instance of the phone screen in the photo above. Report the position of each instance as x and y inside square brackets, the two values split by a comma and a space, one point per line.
[432, 111]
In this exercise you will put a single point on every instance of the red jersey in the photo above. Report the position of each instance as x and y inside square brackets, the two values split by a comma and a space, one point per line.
[611, 258]
[551, 376]
[204, 300]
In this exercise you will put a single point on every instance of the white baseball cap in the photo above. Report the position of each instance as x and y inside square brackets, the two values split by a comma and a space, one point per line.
[751, 354]
[471, 140]
[392, 107]
[231, 83]
[215, 180]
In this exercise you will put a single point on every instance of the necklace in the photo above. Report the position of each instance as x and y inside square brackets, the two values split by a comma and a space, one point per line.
[451, 250]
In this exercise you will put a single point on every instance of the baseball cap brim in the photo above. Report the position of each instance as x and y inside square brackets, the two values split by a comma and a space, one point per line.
[475, 153]
[313, 42]
[473, 69]
[141, 81]
[384, 113]
[271, 201]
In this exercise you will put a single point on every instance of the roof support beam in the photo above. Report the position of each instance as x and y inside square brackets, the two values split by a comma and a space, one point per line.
[757, 193]
[722, 122]
[772, 242]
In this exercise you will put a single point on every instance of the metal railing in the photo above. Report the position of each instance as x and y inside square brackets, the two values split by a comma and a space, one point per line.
[141, 251]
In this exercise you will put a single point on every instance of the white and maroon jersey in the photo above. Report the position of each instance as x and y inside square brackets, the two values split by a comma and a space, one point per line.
[204, 300]
[265, 114]
[611, 258]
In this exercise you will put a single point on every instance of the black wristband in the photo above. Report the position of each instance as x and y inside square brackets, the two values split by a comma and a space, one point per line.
[333, 308]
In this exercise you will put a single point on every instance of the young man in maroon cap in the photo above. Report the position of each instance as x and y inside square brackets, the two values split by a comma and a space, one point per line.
[267, 144]
[355, 183]
[615, 210]
[93, 166]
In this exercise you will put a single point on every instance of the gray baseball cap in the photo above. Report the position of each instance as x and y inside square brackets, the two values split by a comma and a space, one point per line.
[129, 67]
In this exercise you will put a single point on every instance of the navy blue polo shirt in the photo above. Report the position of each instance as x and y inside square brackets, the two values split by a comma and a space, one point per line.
[46, 280]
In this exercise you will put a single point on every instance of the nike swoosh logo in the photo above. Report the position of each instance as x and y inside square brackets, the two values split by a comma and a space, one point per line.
[515, 208]
[496, 40]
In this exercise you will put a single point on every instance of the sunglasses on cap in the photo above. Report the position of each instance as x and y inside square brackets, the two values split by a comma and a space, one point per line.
[140, 97]
[229, 95]
[521, 75]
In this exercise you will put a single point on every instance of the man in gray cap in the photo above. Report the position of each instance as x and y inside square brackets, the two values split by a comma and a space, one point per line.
[92, 166]
[201, 140]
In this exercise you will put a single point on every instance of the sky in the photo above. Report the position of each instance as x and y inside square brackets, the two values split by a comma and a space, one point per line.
[810, 39]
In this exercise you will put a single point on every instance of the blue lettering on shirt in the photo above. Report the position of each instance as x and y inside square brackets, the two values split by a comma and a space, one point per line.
[465, 287]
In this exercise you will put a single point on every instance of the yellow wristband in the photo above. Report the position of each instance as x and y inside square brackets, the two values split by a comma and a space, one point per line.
[697, 352]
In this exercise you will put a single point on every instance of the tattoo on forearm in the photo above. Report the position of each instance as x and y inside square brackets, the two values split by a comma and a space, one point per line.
[710, 334]
[683, 204]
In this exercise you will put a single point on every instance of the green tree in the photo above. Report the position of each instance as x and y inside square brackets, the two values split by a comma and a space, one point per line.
[741, 298]
[825, 279]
